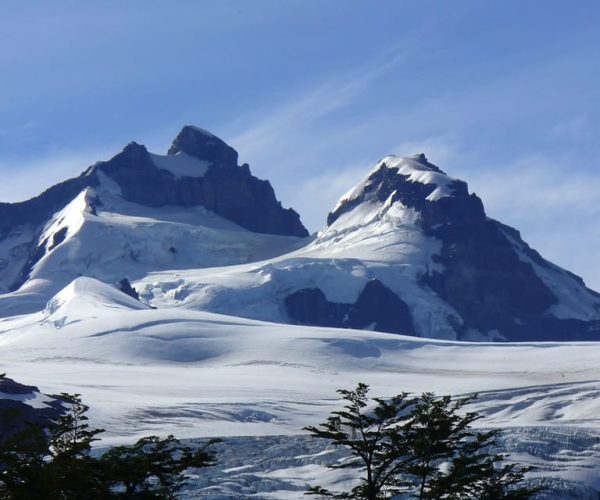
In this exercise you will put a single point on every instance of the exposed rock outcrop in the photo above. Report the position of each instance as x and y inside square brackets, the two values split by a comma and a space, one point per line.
[377, 308]
[15, 412]
[203, 145]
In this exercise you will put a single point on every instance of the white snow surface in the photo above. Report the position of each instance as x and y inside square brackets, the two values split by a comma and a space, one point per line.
[181, 164]
[197, 374]
[36, 400]
[110, 239]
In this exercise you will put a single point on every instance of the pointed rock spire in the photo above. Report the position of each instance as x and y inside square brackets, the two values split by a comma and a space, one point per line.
[203, 145]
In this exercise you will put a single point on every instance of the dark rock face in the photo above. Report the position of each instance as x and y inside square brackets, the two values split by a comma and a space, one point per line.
[483, 277]
[309, 306]
[226, 189]
[204, 146]
[16, 413]
[127, 289]
[377, 308]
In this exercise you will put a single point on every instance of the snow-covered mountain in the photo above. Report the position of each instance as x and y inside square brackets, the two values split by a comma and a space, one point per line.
[408, 250]
[140, 212]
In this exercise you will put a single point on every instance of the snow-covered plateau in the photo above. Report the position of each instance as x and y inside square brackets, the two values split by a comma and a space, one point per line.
[246, 326]
[197, 374]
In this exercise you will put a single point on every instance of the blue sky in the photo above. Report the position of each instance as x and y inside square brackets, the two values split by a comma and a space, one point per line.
[505, 95]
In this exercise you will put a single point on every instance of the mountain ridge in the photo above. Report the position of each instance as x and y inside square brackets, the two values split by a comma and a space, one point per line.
[407, 250]
[421, 236]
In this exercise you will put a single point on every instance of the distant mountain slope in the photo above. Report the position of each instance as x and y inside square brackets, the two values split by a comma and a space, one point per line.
[408, 250]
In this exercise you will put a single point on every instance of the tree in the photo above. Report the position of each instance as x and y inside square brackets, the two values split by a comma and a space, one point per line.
[439, 433]
[22, 461]
[372, 439]
[51, 461]
[74, 472]
[55, 462]
[423, 447]
[152, 467]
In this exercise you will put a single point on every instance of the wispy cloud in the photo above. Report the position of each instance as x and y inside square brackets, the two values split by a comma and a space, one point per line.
[293, 116]
[536, 186]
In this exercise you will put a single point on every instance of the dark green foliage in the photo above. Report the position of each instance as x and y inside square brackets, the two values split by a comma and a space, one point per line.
[419, 448]
[23, 473]
[55, 462]
[152, 467]
[371, 438]
[52, 462]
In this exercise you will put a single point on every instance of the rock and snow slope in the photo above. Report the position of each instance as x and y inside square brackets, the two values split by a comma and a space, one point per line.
[408, 250]
[24, 404]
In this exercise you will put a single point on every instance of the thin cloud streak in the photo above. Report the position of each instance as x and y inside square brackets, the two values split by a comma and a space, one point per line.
[297, 114]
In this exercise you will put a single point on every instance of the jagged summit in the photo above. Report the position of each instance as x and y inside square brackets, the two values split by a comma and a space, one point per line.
[412, 181]
[201, 170]
[199, 176]
[192, 174]
[203, 145]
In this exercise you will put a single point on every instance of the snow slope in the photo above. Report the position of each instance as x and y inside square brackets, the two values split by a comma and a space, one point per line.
[181, 164]
[195, 373]
[374, 241]
[101, 235]
[90, 324]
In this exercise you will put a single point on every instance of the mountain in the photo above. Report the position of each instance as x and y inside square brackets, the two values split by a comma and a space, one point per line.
[408, 250]
[139, 212]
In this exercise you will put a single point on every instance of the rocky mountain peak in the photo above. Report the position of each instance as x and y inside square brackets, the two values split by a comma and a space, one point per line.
[412, 181]
[203, 145]
[200, 170]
